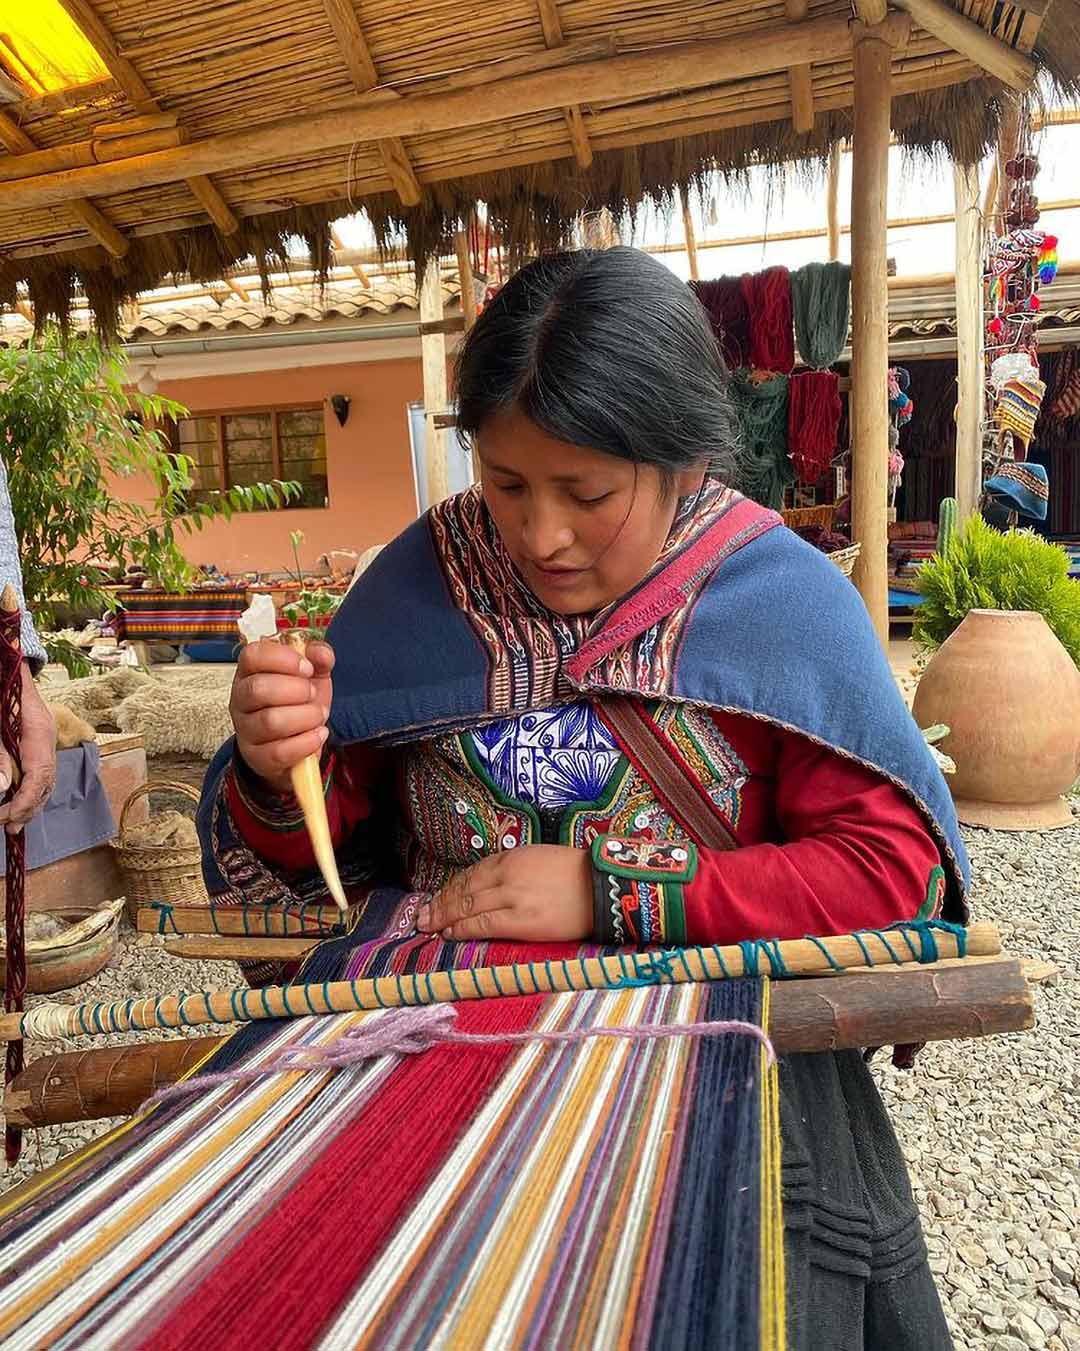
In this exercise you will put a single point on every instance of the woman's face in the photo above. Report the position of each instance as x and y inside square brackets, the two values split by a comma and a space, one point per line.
[582, 526]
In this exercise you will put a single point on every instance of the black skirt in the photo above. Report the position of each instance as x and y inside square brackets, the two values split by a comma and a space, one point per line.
[857, 1271]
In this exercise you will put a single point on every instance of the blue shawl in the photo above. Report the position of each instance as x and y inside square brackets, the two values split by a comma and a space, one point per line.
[738, 615]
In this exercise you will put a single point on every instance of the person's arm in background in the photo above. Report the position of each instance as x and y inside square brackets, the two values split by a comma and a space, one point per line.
[38, 742]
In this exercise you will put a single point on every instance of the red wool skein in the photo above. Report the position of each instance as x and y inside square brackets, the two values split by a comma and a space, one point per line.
[814, 411]
[772, 334]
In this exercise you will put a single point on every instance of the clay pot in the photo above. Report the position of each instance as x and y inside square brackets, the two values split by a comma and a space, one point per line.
[1010, 695]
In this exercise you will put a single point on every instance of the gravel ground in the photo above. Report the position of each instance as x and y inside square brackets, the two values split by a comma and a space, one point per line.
[991, 1128]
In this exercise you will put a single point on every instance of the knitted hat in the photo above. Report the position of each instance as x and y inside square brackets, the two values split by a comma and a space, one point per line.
[1025, 485]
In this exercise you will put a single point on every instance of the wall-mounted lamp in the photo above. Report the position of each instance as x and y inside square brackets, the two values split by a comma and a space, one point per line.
[340, 404]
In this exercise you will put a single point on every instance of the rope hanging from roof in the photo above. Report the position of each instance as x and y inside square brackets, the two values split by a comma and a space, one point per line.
[821, 305]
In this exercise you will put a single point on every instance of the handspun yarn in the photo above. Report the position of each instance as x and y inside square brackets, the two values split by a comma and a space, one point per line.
[814, 410]
[772, 338]
[764, 467]
[821, 305]
[725, 304]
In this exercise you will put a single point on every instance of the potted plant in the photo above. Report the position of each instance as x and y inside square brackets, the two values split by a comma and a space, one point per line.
[313, 607]
[1002, 619]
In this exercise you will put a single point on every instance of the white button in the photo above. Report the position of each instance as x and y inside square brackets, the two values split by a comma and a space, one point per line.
[615, 846]
[461, 807]
[679, 855]
[508, 842]
[477, 842]
[641, 820]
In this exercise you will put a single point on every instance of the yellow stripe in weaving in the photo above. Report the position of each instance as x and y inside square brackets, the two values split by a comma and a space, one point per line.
[513, 1253]
[773, 1283]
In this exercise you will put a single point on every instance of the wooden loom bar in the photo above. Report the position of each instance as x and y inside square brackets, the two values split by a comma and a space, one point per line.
[361, 66]
[88, 1085]
[797, 957]
[937, 1002]
[377, 115]
[870, 321]
[211, 949]
[260, 921]
[969, 39]
[969, 340]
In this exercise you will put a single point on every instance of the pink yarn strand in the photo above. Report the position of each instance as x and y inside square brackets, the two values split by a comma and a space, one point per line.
[410, 1031]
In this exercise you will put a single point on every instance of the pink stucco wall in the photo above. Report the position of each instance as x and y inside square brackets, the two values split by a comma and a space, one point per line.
[371, 488]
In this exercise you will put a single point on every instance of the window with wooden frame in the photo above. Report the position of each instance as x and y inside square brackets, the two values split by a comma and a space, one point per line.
[242, 446]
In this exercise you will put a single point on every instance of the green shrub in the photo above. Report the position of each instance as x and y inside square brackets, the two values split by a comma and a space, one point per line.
[985, 569]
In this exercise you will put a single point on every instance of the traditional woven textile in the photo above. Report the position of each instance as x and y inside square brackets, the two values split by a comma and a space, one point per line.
[1018, 405]
[167, 617]
[609, 1193]
[11, 657]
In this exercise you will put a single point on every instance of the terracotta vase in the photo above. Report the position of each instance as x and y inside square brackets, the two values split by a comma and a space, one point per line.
[1010, 695]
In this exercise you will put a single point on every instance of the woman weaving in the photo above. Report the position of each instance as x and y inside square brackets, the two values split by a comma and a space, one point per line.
[604, 700]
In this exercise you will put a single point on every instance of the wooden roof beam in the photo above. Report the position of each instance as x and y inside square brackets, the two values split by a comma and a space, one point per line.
[356, 54]
[575, 122]
[969, 39]
[92, 220]
[82, 12]
[799, 79]
[146, 105]
[372, 117]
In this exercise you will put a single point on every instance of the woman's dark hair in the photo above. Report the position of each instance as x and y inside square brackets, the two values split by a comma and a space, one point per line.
[605, 349]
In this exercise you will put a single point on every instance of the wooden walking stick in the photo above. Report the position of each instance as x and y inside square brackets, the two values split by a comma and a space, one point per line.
[15, 845]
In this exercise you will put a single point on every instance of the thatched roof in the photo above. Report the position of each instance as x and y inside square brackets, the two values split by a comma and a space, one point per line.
[223, 129]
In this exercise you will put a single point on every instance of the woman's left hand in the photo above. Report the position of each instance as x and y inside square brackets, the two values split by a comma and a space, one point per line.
[541, 893]
[37, 750]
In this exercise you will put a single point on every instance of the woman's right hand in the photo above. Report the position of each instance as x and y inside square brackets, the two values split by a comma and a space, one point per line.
[279, 706]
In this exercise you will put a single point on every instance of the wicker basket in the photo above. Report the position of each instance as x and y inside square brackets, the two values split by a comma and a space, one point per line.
[798, 518]
[845, 558]
[160, 872]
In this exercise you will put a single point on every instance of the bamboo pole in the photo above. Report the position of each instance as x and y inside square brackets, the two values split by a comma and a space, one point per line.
[797, 957]
[800, 81]
[938, 1002]
[969, 340]
[971, 40]
[832, 203]
[690, 238]
[433, 362]
[76, 154]
[869, 321]
[379, 114]
[240, 949]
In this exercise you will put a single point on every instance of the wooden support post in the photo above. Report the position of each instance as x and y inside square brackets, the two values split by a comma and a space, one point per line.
[869, 320]
[433, 359]
[832, 202]
[690, 237]
[215, 206]
[969, 340]
[465, 276]
[799, 79]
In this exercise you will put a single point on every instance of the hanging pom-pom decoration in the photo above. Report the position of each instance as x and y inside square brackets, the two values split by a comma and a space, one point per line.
[997, 326]
[1048, 260]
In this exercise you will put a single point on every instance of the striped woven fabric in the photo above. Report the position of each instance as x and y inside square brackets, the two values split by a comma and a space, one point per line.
[168, 617]
[610, 1193]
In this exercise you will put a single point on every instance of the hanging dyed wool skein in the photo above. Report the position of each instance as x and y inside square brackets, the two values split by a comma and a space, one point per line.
[814, 411]
[15, 845]
[772, 338]
[725, 304]
[821, 306]
[764, 466]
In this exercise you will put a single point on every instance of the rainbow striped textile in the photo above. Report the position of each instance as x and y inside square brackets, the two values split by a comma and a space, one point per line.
[609, 1193]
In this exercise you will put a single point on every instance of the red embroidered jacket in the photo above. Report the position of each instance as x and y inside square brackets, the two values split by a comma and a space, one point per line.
[824, 845]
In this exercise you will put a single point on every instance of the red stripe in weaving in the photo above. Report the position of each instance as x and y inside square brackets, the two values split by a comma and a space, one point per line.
[283, 1282]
